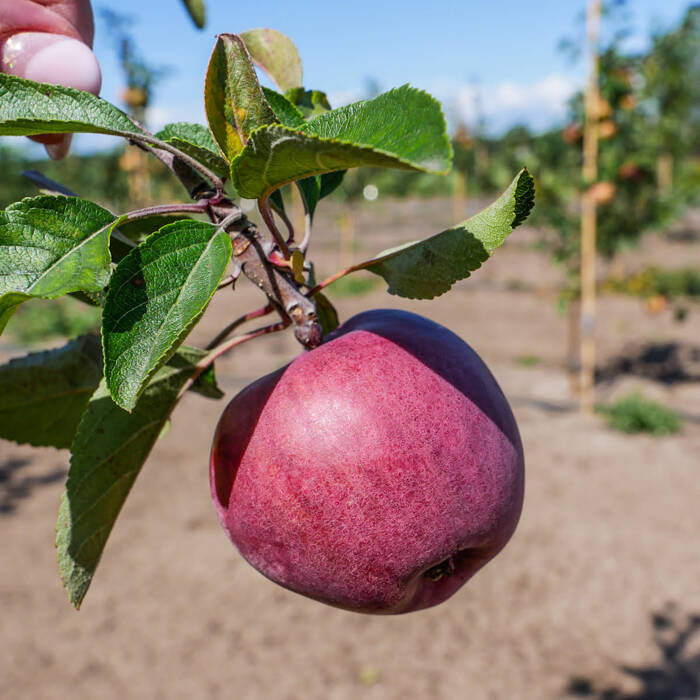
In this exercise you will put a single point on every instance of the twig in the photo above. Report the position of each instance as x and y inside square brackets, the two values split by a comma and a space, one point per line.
[199, 207]
[222, 349]
[264, 206]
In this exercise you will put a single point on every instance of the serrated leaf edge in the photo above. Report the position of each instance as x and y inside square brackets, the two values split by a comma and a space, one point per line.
[364, 147]
[168, 353]
[528, 192]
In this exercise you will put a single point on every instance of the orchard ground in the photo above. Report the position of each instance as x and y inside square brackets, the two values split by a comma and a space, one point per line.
[608, 536]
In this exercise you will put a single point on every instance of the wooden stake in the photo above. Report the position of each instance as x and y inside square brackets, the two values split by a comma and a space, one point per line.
[588, 214]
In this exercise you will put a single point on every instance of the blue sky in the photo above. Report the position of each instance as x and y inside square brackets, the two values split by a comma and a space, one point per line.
[499, 58]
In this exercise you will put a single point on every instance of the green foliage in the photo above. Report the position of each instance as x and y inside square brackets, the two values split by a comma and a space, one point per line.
[197, 141]
[364, 133]
[157, 294]
[276, 54]
[52, 246]
[635, 414]
[310, 103]
[653, 281]
[197, 11]
[285, 110]
[108, 452]
[428, 268]
[528, 360]
[233, 98]
[29, 108]
[327, 315]
[151, 273]
[671, 87]
[43, 395]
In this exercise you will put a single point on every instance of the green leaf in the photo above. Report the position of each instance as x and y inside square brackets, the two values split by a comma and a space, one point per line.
[316, 187]
[157, 293]
[108, 452]
[197, 12]
[403, 128]
[137, 231]
[428, 268]
[310, 103]
[287, 113]
[312, 188]
[276, 54]
[50, 246]
[197, 141]
[43, 394]
[327, 315]
[233, 98]
[28, 108]
[330, 182]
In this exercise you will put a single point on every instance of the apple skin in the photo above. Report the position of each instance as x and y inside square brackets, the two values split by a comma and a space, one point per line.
[376, 473]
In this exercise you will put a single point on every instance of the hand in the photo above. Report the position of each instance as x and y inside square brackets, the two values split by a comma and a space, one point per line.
[49, 42]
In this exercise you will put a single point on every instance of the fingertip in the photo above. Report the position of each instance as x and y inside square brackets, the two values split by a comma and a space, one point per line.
[59, 150]
[52, 58]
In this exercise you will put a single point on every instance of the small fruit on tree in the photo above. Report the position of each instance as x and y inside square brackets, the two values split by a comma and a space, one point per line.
[602, 192]
[436, 482]
[377, 472]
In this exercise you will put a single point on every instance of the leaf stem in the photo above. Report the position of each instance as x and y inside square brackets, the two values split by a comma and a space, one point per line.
[116, 233]
[149, 139]
[264, 206]
[227, 282]
[164, 209]
[231, 218]
[307, 233]
[222, 349]
[334, 277]
[226, 332]
[283, 215]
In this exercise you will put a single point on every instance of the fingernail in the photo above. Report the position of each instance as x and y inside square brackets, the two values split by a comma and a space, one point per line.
[58, 151]
[52, 58]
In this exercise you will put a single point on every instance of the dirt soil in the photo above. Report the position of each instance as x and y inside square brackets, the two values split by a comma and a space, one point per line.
[594, 596]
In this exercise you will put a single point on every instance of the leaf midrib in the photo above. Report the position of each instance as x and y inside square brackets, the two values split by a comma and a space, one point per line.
[68, 253]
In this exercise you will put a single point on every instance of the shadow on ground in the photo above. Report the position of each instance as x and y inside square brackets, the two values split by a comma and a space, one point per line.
[15, 485]
[668, 363]
[675, 677]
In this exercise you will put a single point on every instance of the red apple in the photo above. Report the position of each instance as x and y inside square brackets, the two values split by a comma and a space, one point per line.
[376, 473]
